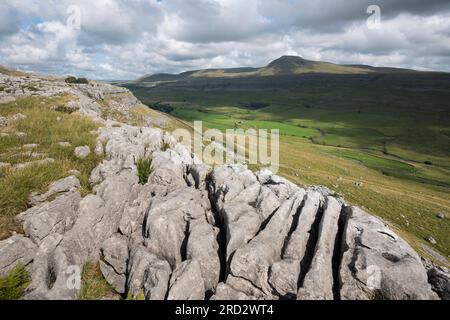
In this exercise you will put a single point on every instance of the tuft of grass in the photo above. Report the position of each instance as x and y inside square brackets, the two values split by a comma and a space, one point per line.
[140, 296]
[144, 166]
[44, 127]
[165, 147]
[13, 285]
[94, 285]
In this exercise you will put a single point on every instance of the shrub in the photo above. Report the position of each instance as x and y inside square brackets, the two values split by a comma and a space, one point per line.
[64, 109]
[144, 166]
[77, 80]
[255, 105]
[163, 107]
[14, 284]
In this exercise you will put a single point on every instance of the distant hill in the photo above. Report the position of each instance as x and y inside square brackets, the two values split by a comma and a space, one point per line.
[284, 66]
[10, 72]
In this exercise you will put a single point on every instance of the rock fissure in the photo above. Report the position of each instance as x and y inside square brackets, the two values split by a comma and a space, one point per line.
[306, 261]
[338, 253]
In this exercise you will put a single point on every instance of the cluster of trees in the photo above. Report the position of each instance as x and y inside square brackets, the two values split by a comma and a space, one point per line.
[255, 105]
[77, 80]
[163, 107]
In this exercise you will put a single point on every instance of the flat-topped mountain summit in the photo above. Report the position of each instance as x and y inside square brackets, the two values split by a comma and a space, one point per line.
[283, 66]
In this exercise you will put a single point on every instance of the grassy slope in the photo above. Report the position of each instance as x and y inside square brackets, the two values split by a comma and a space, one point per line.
[43, 128]
[374, 134]
[46, 126]
[12, 72]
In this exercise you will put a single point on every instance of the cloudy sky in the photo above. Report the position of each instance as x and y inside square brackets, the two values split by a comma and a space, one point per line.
[124, 39]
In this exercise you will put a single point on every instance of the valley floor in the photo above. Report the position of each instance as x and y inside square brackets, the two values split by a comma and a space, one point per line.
[394, 169]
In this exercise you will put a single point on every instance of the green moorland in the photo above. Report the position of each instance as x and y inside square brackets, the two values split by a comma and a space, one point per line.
[382, 141]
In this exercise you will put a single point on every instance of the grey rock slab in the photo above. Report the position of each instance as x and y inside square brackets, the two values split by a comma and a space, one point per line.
[186, 282]
[57, 216]
[284, 276]
[149, 273]
[225, 292]
[3, 121]
[376, 263]
[82, 152]
[253, 261]
[113, 263]
[14, 250]
[318, 282]
[64, 144]
[203, 247]
[65, 185]
[167, 222]
[99, 149]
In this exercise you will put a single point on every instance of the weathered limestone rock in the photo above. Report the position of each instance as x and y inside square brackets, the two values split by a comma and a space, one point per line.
[167, 223]
[225, 292]
[30, 146]
[203, 247]
[15, 250]
[82, 152]
[3, 121]
[21, 134]
[34, 163]
[252, 261]
[65, 185]
[284, 275]
[439, 278]
[64, 144]
[99, 150]
[49, 218]
[17, 117]
[148, 273]
[44, 268]
[318, 282]
[378, 264]
[113, 263]
[186, 282]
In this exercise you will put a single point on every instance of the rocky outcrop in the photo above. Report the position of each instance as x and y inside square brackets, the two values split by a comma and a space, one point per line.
[15, 250]
[195, 232]
[376, 263]
[87, 99]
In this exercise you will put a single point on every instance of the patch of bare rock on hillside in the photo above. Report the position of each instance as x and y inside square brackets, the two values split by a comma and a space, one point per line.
[86, 97]
[195, 232]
